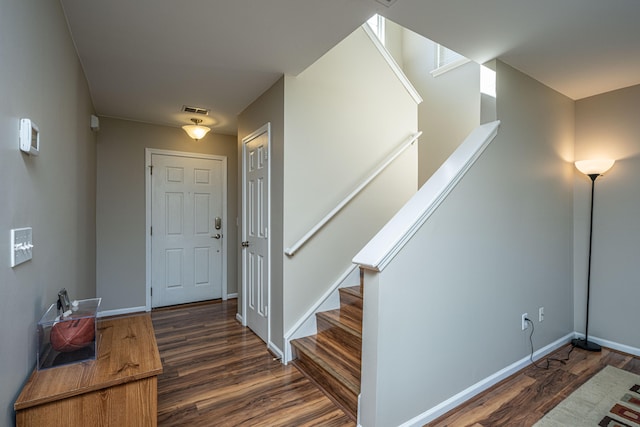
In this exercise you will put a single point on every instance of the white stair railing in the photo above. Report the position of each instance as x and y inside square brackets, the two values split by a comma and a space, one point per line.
[290, 251]
[380, 250]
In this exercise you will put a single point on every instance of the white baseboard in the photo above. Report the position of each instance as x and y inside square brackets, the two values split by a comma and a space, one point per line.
[239, 318]
[122, 311]
[275, 350]
[232, 296]
[481, 386]
[612, 345]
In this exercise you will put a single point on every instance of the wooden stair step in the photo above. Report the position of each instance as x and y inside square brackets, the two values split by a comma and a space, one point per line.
[335, 369]
[331, 358]
[348, 318]
[343, 327]
[351, 296]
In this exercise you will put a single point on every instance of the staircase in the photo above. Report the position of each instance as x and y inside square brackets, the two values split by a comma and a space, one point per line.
[331, 358]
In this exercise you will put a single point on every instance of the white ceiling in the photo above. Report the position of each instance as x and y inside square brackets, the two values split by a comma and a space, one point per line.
[144, 59]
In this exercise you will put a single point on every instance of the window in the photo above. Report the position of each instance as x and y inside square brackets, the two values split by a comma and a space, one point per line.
[445, 56]
[446, 59]
[376, 22]
[487, 81]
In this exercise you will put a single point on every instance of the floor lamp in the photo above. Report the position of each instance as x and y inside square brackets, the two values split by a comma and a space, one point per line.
[593, 169]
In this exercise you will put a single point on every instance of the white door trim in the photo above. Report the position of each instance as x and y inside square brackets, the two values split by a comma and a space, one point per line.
[263, 129]
[148, 152]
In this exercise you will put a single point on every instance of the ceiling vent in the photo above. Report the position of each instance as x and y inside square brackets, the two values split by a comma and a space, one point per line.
[387, 2]
[195, 110]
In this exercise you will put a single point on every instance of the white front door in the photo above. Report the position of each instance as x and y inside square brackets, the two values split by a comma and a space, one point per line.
[255, 232]
[187, 228]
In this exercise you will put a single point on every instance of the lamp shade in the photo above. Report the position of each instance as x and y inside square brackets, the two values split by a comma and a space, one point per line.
[594, 167]
[196, 131]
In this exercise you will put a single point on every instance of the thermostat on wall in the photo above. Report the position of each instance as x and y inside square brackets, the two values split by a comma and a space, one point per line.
[29, 137]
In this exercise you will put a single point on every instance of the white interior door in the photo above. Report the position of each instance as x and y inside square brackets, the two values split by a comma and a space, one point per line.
[186, 229]
[255, 231]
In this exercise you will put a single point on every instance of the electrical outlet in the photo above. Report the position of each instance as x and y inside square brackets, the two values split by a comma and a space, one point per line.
[540, 314]
[525, 325]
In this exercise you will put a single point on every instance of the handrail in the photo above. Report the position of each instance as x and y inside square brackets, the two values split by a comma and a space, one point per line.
[413, 92]
[290, 251]
[380, 250]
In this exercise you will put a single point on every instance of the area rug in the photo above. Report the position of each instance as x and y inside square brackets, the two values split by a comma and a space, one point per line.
[610, 399]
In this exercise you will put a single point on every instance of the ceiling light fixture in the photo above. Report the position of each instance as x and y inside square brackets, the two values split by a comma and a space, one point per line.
[196, 131]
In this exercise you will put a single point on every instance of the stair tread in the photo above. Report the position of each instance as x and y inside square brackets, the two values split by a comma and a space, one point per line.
[341, 364]
[348, 318]
[351, 296]
[353, 290]
[331, 358]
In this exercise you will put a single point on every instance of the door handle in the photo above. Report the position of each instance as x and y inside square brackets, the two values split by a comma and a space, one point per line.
[245, 244]
[216, 236]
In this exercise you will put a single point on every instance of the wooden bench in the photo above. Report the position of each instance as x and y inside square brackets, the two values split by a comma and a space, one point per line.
[119, 388]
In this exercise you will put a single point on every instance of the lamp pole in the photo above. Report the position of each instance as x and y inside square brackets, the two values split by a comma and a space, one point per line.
[593, 169]
[584, 343]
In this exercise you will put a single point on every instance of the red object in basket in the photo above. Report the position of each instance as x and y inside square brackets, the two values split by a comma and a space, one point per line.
[72, 335]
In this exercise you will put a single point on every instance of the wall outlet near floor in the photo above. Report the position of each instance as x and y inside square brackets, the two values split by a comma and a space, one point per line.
[540, 314]
[525, 325]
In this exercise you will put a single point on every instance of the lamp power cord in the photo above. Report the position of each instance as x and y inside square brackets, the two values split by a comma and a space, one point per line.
[548, 360]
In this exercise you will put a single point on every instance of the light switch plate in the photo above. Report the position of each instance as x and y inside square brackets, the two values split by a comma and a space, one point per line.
[21, 245]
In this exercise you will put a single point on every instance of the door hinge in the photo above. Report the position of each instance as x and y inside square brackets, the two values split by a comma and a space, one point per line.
[151, 169]
[151, 231]
[151, 291]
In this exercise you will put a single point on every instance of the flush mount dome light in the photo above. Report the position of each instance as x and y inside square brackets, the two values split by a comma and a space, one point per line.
[196, 131]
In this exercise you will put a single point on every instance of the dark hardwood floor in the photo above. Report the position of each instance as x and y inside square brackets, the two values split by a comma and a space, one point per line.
[522, 399]
[218, 373]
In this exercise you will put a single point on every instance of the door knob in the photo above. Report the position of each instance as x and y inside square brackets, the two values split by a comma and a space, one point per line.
[217, 236]
[245, 244]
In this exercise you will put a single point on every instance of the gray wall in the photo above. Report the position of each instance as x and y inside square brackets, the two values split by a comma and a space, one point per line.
[41, 78]
[121, 244]
[343, 116]
[269, 108]
[607, 126]
[451, 106]
[448, 307]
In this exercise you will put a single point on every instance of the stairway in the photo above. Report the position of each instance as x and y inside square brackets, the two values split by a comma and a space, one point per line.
[331, 358]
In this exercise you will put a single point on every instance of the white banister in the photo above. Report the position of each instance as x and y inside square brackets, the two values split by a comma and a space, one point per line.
[290, 251]
[413, 92]
[392, 237]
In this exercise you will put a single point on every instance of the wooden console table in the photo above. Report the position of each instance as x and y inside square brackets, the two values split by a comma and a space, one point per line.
[119, 388]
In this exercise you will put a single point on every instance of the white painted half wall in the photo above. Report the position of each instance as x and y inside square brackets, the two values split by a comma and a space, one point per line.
[445, 313]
